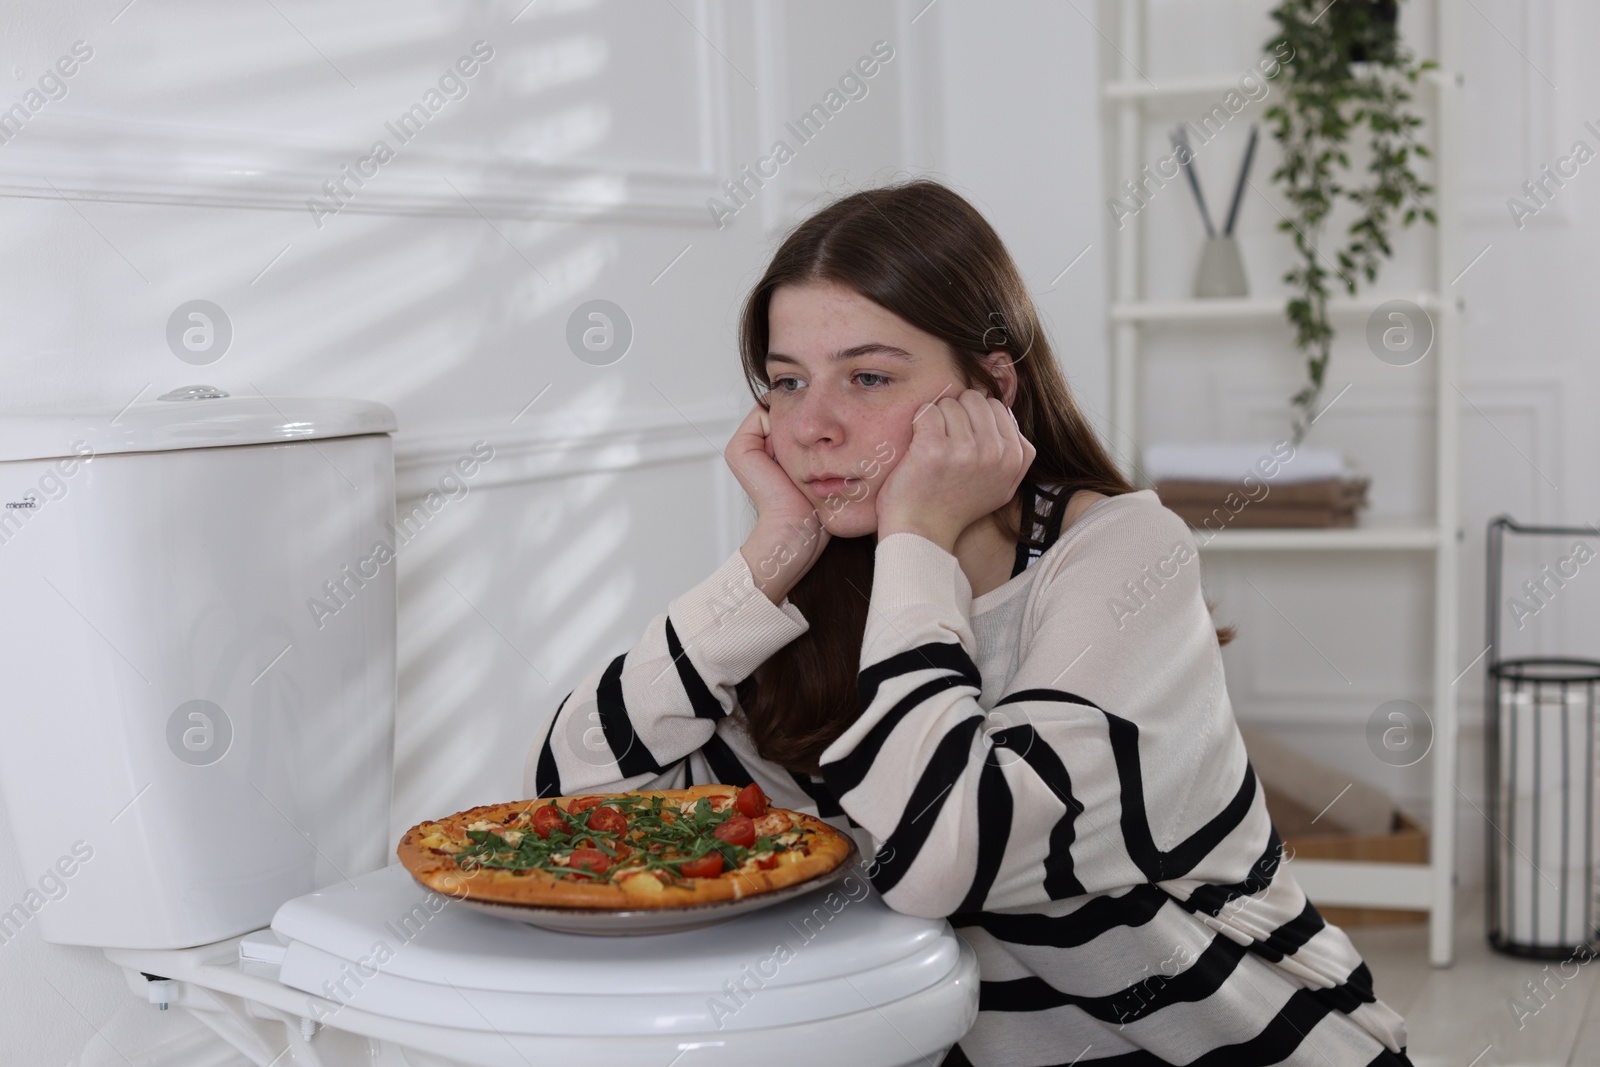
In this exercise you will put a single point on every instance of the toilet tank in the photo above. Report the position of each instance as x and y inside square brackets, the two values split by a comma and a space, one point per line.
[197, 654]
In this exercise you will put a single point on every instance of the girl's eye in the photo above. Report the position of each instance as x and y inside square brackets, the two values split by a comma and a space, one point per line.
[867, 379]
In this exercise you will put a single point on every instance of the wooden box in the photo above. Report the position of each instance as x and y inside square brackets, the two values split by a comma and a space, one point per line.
[1361, 824]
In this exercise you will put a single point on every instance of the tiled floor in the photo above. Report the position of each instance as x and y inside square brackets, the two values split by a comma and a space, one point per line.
[1468, 1014]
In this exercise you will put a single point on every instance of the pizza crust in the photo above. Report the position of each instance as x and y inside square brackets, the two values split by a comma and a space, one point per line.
[425, 851]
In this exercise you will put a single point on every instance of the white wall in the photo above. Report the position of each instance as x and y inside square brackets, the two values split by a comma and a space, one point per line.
[1021, 118]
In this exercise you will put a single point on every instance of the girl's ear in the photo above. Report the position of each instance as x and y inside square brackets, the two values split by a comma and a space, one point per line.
[1005, 375]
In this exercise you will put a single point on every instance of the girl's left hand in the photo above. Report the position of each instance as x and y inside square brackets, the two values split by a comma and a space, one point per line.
[965, 460]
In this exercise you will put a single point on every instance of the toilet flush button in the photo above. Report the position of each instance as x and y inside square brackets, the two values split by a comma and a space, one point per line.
[194, 392]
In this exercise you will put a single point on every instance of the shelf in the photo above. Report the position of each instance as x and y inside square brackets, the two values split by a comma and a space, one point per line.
[1253, 308]
[1180, 89]
[1177, 89]
[1136, 107]
[1368, 885]
[1378, 537]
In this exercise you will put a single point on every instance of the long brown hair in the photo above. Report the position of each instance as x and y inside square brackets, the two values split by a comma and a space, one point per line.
[921, 251]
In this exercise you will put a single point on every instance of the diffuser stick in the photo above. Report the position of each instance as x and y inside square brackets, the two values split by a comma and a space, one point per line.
[1180, 143]
[1244, 175]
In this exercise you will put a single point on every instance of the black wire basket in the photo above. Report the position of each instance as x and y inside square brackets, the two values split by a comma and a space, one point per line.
[1540, 765]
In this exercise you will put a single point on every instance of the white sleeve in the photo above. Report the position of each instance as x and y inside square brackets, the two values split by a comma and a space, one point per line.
[630, 722]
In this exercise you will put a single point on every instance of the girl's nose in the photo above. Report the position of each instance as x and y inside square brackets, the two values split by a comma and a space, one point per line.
[817, 421]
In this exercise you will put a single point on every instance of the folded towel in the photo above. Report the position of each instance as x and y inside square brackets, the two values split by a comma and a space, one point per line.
[1213, 462]
[1264, 502]
[1324, 492]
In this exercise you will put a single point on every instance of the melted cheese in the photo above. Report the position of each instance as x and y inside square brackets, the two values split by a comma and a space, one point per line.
[644, 883]
[772, 823]
[752, 864]
[438, 840]
[511, 837]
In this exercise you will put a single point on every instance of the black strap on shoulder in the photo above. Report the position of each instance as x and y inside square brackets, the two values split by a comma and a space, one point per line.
[1058, 509]
[1030, 543]
[1030, 496]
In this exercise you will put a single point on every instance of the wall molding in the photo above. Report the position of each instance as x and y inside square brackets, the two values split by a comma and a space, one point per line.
[88, 159]
[565, 447]
[63, 155]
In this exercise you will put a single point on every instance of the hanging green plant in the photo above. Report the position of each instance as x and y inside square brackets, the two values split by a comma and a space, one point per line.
[1349, 71]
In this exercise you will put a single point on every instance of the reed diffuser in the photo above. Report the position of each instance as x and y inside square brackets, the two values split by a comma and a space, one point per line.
[1221, 270]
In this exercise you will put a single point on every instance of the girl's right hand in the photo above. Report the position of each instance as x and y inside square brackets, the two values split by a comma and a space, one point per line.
[788, 535]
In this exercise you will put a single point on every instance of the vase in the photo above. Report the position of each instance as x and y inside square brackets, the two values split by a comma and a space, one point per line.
[1221, 271]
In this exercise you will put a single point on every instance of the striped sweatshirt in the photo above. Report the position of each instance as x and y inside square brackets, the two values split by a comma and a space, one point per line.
[1053, 767]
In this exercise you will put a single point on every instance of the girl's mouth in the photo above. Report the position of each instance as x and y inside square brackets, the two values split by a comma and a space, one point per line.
[831, 487]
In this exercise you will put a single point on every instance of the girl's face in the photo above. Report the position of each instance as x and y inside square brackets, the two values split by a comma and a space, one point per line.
[848, 376]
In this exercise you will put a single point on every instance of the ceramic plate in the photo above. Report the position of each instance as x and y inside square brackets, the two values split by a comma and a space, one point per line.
[655, 920]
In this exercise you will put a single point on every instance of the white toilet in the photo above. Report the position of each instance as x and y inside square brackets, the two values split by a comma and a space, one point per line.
[197, 628]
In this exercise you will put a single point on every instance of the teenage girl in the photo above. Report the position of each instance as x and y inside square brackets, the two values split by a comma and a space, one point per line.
[957, 631]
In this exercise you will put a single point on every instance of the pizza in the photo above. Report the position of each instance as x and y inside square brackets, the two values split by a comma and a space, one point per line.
[658, 848]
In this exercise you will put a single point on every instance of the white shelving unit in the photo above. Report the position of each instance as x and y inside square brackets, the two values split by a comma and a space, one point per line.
[1128, 95]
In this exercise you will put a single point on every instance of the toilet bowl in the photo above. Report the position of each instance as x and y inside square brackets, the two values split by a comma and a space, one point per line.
[381, 970]
[210, 584]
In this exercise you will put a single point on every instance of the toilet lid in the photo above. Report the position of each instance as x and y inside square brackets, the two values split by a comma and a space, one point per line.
[383, 943]
[212, 419]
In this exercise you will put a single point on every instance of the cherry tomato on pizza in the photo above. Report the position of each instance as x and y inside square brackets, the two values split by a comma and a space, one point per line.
[608, 821]
[738, 830]
[707, 866]
[751, 801]
[548, 818]
[591, 859]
